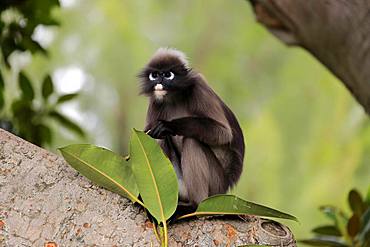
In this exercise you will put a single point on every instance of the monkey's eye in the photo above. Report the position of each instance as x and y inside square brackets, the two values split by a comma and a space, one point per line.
[169, 75]
[153, 76]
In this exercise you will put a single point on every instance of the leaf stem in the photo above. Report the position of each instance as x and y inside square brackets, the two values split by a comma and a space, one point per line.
[187, 216]
[162, 235]
[165, 234]
[156, 232]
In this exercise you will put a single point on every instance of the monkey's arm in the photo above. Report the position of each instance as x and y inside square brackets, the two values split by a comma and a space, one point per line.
[204, 129]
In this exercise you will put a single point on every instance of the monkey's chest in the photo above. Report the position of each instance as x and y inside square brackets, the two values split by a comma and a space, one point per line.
[172, 112]
[175, 113]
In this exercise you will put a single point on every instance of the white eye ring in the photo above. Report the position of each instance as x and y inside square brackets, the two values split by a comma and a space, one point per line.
[152, 78]
[172, 75]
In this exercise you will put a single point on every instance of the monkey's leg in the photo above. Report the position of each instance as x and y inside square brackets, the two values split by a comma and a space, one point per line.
[174, 155]
[203, 175]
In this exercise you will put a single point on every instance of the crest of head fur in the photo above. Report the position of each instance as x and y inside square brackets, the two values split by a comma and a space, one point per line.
[166, 52]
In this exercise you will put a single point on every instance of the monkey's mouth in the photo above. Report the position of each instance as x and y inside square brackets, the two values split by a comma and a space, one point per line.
[159, 91]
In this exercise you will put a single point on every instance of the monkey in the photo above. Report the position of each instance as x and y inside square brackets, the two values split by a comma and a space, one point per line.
[196, 130]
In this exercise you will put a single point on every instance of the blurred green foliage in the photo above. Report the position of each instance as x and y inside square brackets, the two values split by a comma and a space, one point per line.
[307, 140]
[19, 19]
[345, 230]
[25, 115]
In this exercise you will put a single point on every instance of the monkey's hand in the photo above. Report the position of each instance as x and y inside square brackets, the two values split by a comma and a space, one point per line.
[161, 129]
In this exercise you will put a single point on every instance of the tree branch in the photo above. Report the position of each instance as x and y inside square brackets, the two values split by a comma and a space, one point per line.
[44, 200]
[336, 32]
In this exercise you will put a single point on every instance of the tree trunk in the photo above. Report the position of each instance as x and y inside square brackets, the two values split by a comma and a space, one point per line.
[43, 200]
[336, 32]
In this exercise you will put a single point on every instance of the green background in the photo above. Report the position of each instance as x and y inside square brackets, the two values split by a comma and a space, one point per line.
[307, 140]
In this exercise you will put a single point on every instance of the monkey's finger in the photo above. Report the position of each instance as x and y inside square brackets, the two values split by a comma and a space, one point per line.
[166, 132]
[170, 132]
[160, 125]
[161, 132]
[154, 133]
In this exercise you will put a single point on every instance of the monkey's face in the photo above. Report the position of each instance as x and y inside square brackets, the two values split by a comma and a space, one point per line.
[166, 76]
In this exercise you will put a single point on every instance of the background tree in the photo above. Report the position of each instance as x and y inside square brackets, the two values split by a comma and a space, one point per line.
[27, 112]
[335, 32]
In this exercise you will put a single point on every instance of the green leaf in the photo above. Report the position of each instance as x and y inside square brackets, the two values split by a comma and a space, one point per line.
[329, 211]
[327, 230]
[230, 204]
[2, 101]
[368, 196]
[26, 87]
[154, 176]
[355, 202]
[39, 11]
[66, 97]
[47, 87]
[42, 134]
[103, 167]
[23, 115]
[67, 123]
[33, 46]
[323, 242]
[2, 84]
[337, 216]
[8, 46]
[19, 107]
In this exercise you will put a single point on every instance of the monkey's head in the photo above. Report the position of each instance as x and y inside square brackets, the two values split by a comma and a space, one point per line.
[167, 75]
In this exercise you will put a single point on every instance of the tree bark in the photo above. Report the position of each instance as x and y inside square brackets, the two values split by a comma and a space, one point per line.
[43, 200]
[336, 32]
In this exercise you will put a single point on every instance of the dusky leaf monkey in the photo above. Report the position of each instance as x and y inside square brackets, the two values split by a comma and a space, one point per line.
[194, 127]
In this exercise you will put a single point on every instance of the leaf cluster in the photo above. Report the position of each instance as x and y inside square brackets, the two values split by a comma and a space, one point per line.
[19, 19]
[30, 119]
[28, 116]
[345, 230]
[148, 178]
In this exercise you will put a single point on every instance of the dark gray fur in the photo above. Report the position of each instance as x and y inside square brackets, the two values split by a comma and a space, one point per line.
[197, 131]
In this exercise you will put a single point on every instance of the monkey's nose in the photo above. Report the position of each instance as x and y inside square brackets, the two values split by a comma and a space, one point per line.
[158, 87]
[159, 91]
